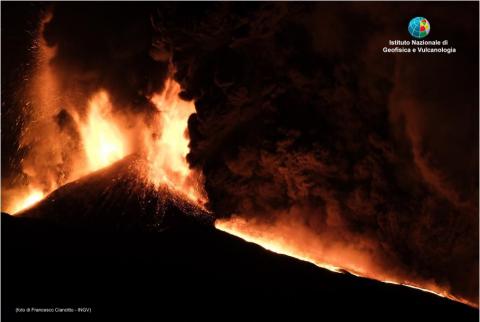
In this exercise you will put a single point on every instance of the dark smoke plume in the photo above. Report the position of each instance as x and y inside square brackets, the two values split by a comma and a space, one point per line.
[301, 117]
[107, 46]
[300, 114]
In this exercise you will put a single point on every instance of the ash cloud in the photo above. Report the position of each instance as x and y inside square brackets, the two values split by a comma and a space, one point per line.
[302, 119]
[107, 46]
[300, 116]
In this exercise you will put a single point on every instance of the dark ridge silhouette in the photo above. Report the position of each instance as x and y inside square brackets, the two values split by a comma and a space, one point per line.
[94, 243]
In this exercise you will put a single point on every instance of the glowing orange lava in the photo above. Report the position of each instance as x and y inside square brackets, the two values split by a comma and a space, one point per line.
[268, 239]
[28, 200]
[295, 241]
[164, 143]
[166, 155]
[103, 135]
[102, 139]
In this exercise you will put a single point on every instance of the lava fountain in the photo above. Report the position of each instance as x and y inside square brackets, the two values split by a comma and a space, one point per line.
[166, 155]
[102, 139]
[67, 135]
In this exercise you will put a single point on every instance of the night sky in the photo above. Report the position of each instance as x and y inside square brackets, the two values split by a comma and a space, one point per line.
[300, 114]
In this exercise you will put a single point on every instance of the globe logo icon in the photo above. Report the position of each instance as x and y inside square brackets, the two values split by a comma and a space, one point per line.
[419, 27]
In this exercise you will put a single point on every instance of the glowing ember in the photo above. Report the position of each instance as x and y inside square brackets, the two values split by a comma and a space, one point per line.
[102, 139]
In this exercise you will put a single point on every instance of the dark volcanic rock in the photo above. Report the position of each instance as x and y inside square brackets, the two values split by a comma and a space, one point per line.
[129, 252]
[116, 198]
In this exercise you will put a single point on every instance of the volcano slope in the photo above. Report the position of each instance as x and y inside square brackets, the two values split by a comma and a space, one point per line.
[111, 243]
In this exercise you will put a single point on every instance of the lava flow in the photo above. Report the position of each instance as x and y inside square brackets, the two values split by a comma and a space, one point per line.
[294, 240]
[88, 138]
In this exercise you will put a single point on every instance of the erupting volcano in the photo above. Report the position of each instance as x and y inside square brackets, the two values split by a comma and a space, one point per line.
[146, 136]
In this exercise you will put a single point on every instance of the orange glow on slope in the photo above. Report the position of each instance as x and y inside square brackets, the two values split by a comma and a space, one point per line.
[28, 200]
[101, 137]
[297, 242]
[282, 239]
